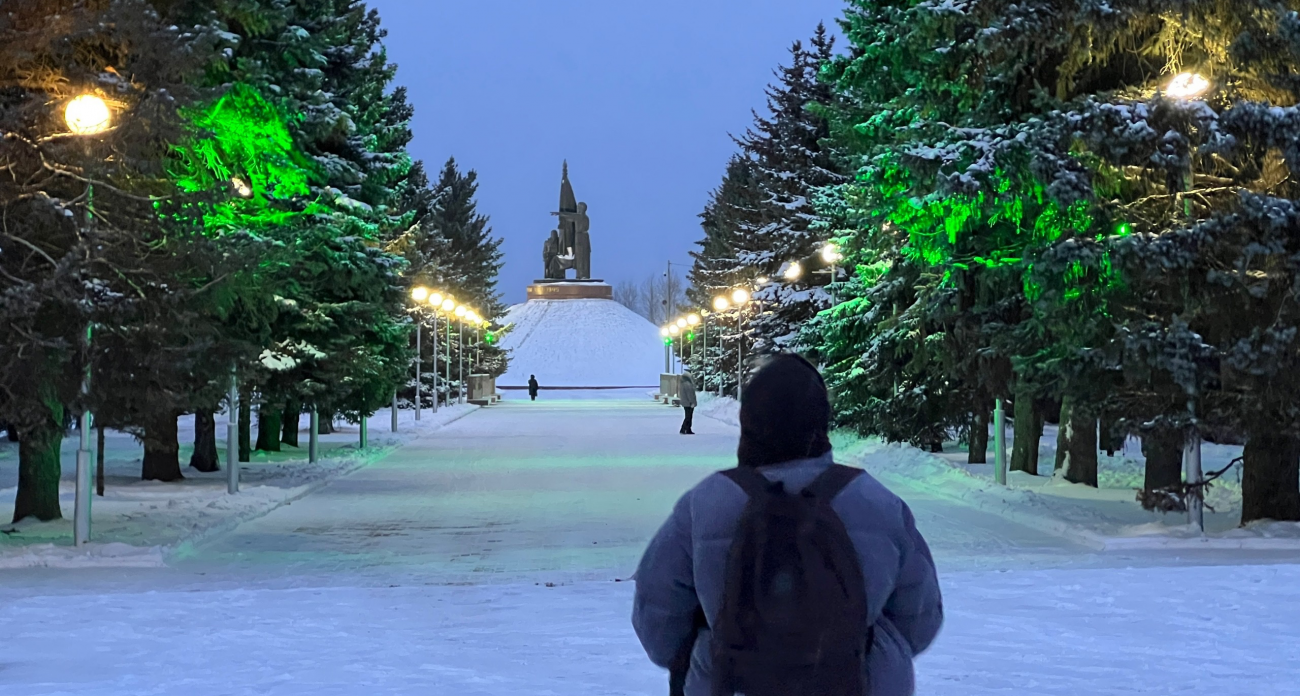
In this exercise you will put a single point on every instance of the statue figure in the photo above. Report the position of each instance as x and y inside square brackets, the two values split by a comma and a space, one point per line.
[569, 246]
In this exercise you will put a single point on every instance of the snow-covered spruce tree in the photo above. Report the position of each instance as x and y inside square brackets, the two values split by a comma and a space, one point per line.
[732, 211]
[70, 262]
[944, 198]
[790, 163]
[473, 256]
[322, 62]
[1190, 150]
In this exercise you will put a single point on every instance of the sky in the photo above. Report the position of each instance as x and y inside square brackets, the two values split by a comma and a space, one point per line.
[639, 97]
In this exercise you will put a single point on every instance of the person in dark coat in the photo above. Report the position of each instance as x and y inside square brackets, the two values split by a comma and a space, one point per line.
[686, 397]
[532, 387]
[784, 421]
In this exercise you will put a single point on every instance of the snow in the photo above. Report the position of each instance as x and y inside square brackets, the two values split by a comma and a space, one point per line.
[1108, 517]
[581, 343]
[1129, 631]
[139, 523]
[485, 559]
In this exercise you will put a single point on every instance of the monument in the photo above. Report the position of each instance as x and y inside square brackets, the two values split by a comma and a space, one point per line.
[568, 248]
[571, 333]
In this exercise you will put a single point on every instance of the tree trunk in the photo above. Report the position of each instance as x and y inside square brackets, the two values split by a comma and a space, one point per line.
[1062, 435]
[325, 424]
[292, 423]
[1027, 430]
[268, 428]
[99, 461]
[162, 450]
[39, 468]
[1270, 481]
[979, 434]
[245, 426]
[1163, 450]
[205, 442]
[1080, 427]
[12, 433]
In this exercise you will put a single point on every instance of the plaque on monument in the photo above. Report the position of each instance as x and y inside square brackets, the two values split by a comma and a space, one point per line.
[569, 247]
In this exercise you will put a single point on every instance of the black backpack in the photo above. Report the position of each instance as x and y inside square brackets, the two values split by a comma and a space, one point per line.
[793, 619]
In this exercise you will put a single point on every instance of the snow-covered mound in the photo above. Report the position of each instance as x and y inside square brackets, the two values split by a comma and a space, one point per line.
[581, 343]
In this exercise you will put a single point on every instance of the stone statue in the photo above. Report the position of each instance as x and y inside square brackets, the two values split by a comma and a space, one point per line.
[569, 246]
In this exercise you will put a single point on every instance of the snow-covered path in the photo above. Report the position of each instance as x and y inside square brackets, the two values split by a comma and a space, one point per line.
[482, 559]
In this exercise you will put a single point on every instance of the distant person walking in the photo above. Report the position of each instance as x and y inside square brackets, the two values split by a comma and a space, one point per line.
[532, 387]
[789, 574]
[686, 396]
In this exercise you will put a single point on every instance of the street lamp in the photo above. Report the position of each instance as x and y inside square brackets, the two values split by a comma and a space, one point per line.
[1187, 85]
[793, 271]
[720, 304]
[87, 115]
[668, 343]
[435, 302]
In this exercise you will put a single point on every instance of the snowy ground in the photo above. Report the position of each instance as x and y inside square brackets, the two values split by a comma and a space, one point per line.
[137, 522]
[581, 343]
[485, 559]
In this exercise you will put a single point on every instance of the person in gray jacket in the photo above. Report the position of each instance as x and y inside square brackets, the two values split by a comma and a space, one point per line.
[686, 396]
[784, 421]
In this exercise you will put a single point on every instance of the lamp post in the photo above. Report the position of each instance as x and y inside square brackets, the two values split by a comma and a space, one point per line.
[673, 330]
[435, 301]
[1186, 86]
[419, 294]
[448, 307]
[86, 115]
[720, 304]
[691, 321]
[461, 310]
[739, 298]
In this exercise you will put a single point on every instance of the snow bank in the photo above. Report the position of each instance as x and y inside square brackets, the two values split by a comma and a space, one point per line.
[140, 523]
[1108, 517]
[581, 343]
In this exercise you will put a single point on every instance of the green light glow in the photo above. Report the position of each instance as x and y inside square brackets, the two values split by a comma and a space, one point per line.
[241, 136]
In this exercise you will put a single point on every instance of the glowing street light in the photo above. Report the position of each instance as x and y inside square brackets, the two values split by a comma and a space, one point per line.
[740, 296]
[87, 115]
[681, 323]
[720, 304]
[831, 253]
[435, 300]
[1187, 86]
[419, 293]
[448, 305]
[664, 332]
[693, 319]
[674, 329]
[793, 271]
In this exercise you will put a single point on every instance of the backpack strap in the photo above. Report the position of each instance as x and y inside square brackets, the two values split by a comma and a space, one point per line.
[829, 483]
[749, 479]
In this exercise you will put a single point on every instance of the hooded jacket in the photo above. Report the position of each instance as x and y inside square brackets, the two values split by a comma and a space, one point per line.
[684, 569]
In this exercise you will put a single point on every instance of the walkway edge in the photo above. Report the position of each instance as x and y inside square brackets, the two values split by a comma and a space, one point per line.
[182, 547]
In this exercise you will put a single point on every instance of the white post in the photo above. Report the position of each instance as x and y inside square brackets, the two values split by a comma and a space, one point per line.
[85, 464]
[434, 351]
[1000, 443]
[313, 441]
[232, 438]
[448, 380]
[417, 369]
[1192, 467]
[740, 349]
[460, 360]
[365, 439]
[668, 361]
[435, 401]
[704, 359]
[85, 484]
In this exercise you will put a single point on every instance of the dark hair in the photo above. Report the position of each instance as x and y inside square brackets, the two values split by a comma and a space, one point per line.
[785, 412]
